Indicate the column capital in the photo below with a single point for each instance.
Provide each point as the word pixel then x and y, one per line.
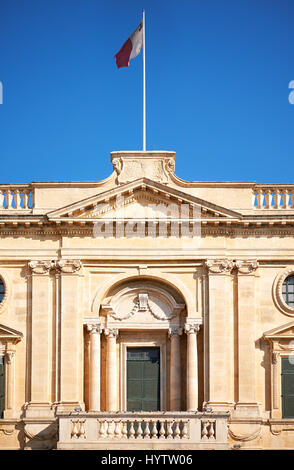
pixel 175 332
pixel 40 267
pixel 9 355
pixel 191 328
pixel 219 266
pixel 111 332
pixel 246 266
pixel 68 266
pixel 94 327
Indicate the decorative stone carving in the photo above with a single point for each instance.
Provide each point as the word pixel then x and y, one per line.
pixel 138 302
pixel 175 331
pixel 246 266
pixel 191 328
pixel 130 166
pixel 41 267
pixel 111 332
pixel 219 266
pixel 170 165
pixel 68 266
pixel 9 355
pixel 94 327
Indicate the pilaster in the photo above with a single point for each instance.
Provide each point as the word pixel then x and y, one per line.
pixel 246 274
pixel 41 340
pixel 71 335
pixel 220 337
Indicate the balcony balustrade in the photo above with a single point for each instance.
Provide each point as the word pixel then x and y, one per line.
pixel 143 430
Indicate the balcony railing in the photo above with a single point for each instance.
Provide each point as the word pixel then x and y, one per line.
pixel 273 197
pixel 142 430
pixel 19 197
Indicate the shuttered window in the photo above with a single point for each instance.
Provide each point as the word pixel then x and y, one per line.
pixel 287 388
pixel 2 387
pixel 143 379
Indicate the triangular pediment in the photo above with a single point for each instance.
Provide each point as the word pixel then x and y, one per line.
pixel 142 198
pixel 284 331
pixel 9 334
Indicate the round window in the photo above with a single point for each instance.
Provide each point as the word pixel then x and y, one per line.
pixel 288 291
pixel 2 290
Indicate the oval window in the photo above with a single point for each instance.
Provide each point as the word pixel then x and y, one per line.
pixel 288 291
pixel 2 290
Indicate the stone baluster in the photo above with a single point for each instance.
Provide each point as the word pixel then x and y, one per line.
pixel 26 198
pixel 146 430
pixel 9 199
pixel 259 198
pixel 162 430
pixel 2 198
pixel 154 429
pixel 124 432
pixel 177 431
pixel 204 431
pixel 268 194
pixel 17 199
pixel 139 430
pixel 211 433
pixel 116 429
pixel 132 430
pixel 276 198
pixel 169 430
pixel 291 202
pixel 185 430
pixel 285 198
pixel 102 431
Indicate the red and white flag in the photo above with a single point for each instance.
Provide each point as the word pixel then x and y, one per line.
pixel 131 48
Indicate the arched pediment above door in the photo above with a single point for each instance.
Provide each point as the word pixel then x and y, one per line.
pixel 143 304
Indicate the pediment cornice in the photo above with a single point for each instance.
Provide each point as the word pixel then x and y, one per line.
pixel 142 191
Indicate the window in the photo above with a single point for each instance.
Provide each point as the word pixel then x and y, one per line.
pixel 288 291
pixel 2 290
pixel 287 387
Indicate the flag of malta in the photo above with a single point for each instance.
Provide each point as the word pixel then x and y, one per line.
pixel 131 48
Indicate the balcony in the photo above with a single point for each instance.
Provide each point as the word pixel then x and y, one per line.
pixel 143 430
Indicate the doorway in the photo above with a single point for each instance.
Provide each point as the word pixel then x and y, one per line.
pixel 143 379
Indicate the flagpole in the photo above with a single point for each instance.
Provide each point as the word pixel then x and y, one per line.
pixel 144 87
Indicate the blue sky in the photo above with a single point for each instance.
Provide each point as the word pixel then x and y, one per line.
pixel 217 88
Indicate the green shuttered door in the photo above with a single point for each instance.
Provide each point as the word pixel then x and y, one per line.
pixel 143 379
pixel 287 388
pixel 2 384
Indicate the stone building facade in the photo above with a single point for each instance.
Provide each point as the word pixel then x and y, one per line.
pixel 146 312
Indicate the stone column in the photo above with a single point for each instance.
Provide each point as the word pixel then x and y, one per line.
pixel 220 335
pixel 275 378
pixel 246 337
pixel 9 381
pixel 71 336
pixel 111 370
pixel 94 396
pixel 175 369
pixel 40 339
pixel 191 329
